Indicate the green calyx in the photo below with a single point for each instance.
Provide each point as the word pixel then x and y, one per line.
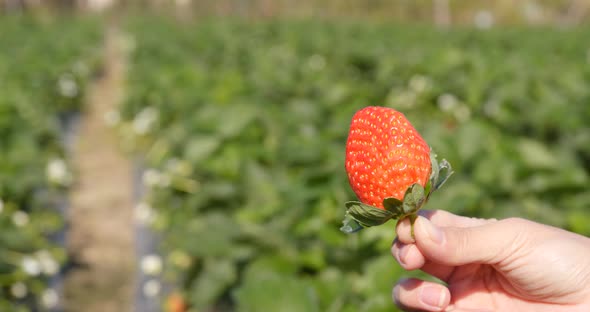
pixel 359 216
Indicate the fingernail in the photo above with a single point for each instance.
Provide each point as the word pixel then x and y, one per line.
pixel 435 234
pixel 396 290
pixel 431 297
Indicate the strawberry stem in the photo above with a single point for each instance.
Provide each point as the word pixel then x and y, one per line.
pixel 413 218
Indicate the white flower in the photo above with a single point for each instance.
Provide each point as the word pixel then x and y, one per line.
pixel 127 43
pixel 144 214
pixel 50 298
pixel 20 218
pixel 180 258
pixel 145 120
pixel 532 12
pixel 18 290
pixel 31 266
pixel 99 5
pixel 316 62
pixel 484 19
pixel 151 177
pixel 151 264
pixel 491 107
pixel 402 99
pixel 112 118
pixel 67 86
pixel 182 3
pixel 177 166
pixel 164 180
pixel 419 83
pixel 462 113
pixel 48 264
pixel 81 68
pixel 57 172
pixel 447 102
pixel 151 288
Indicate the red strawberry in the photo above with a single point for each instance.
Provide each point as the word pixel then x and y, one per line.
pixel 390 168
pixel 175 303
pixel 384 155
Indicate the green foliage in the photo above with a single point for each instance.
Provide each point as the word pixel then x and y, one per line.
pixel 44 66
pixel 243 125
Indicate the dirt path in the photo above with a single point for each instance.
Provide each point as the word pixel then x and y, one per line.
pixel 100 237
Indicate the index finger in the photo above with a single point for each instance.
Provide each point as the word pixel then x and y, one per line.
pixel 439 218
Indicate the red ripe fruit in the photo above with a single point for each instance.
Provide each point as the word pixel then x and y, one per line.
pixel 390 168
pixel 385 155
pixel 175 303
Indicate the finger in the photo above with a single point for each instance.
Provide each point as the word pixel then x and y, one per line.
pixel 417 295
pixel 453 309
pixel 411 258
pixel 445 218
pixel 439 218
pixel 407 255
pixel 403 231
pixel 488 243
pixel 440 271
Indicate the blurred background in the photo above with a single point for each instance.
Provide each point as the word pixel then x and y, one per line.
pixel 188 155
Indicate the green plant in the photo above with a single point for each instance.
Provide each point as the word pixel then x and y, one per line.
pixel 45 64
pixel 242 128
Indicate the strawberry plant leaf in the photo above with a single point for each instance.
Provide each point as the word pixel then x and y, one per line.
pixel 428 188
pixel 413 199
pixel 434 169
pixel 394 205
pixel 360 215
pixel 350 225
pixel 276 172
pixel 440 173
pixel 217 275
pixel 445 173
pixel 274 292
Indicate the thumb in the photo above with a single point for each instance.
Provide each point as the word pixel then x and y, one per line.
pixel 488 243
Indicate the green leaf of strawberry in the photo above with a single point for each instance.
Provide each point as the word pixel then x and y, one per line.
pixel 390 168
pixel 359 216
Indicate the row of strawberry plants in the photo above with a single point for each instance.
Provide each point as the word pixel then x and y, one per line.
pixel 241 127
pixel 45 64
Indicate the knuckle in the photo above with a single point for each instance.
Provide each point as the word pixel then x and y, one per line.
pixel 516 221
pixel 519 237
pixel 463 243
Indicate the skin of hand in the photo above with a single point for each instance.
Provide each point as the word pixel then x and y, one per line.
pixel 491 265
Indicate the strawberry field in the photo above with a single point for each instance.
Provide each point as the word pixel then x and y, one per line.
pixel 237 130
pixel 42 87
pixel 241 128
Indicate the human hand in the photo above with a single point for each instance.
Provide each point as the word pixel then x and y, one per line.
pixel 489 265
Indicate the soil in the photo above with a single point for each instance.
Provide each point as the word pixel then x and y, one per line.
pixel 100 238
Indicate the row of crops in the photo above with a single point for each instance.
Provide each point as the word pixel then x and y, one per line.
pixel 44 67
pixel 241 130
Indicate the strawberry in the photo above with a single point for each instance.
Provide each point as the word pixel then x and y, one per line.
pixel 391 169
pixel 175 303
pixel 384 155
